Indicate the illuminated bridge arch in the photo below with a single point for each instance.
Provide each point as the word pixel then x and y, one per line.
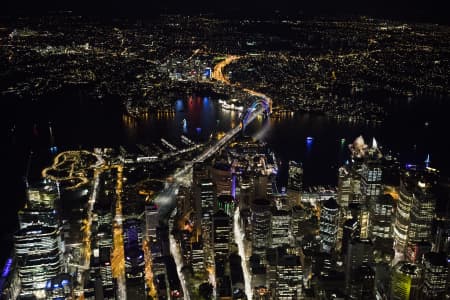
pixel 260 102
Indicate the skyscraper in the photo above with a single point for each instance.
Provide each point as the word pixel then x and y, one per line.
pixel 329 219
pixel 422 213
pixel 415 211
pixel 221 176
pixel 281 227
pixel 359 253
pixel 43 194
pixel 402 217
pixel 261 221
pixel 295 181
pixel 221 233
pixel 38 251
pixel 435 275
pixel 381 216
pixel 405 282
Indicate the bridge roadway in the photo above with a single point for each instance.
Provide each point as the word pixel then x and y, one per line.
pixel 178 176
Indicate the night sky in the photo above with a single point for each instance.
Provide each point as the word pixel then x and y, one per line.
pixel 429 11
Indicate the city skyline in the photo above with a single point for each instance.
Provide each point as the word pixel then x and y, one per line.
pixel 234 157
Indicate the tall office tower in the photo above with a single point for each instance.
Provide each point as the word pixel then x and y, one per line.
pixel 38 216
pixel 350 232
pixel 38 250
pixel 221 177
pixel 381 216
pixel 415 211
pixel 405 281
pixel 226 203
pixel 359 252
pixel 295 180
pixel 260 183
pixel 206 197
pixel 43 194
pixel 259 278
pixel 199 172
pixel 286 275
pixel 329 219
pixel 435 273
pixel 422 212
pixel 402 216
pixel 261 220
pixel 246 193
pixel 186 246
pixel 281 225
pixel 207 238
pixel 106 273
pixel 151 221
pixel 364 216
pixel 221 233
pixel 344 187
pixel 371 176
pixel 441 241
pixel 299 216
pixel 362 283
pixel 198 257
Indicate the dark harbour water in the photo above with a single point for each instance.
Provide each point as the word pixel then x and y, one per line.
pixel 80 122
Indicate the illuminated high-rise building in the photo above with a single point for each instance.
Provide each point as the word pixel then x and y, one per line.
pixel 422 213
pixel 281 227
pixel 344 187
pixel 198 257
pixel 350 232
pixel 38 216
pixel 226 203
pixel 299 216
pixel 415 211
pixel 286 274
pixel 221 233
pixel 381 216
pixel 405 282
pixel 245 194
pixel 371 176
pixel 38 250
pixel 435 273
pixel 329 220
pixel 261 221
pixel 402 216
pixel 151 221
pixel 221 177
pixel 295 181
pixel 207 195
pixel 43 194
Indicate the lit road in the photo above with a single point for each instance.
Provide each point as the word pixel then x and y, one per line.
pixel 218 68
pixel 118 256
pixel 86 245
pixel 176 253
pixel 239 239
